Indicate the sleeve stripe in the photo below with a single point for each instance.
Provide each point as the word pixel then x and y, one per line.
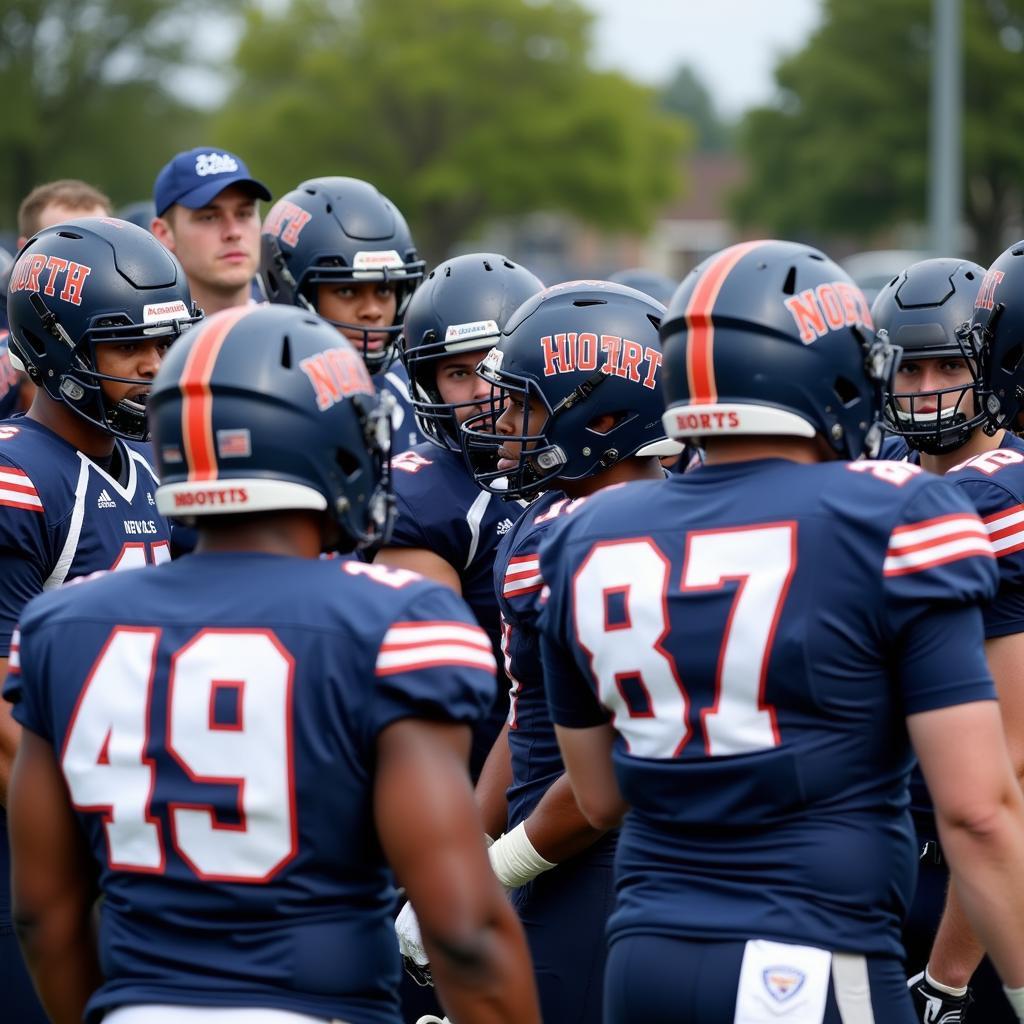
pixel 933 529
pixel 524 586
pixel 434 656
pixel 937 554
pixel 1011 516
pixel 977 532
pixel 405 634
pixel 9 475
pixel 525 562
pixel 521 574
pixel 16 499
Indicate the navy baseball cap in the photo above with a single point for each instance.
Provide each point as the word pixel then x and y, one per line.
pixel 194 177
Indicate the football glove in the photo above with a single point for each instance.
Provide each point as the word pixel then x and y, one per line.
pixel 937 1005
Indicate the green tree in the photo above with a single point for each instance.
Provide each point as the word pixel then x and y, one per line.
pixel 459 110
pixel 688 96
pixel 845 148
pixel 86 94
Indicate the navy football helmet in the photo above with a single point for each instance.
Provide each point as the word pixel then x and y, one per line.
pixel 773 338
pixel 85 283
pixel 461 307
pixel 583 350
pixel 997 334
pixel 266 408
pixel 925 311
pixel 339 229
pixel 650 282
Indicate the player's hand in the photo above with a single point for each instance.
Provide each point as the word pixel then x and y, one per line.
pixel 933 1006
pixel 410 945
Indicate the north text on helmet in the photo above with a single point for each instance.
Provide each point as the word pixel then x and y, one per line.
pixel 37 272
pixel 582 350
pixel 828 307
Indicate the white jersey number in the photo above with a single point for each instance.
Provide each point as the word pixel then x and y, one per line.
pixel 628 657
pixel 107 769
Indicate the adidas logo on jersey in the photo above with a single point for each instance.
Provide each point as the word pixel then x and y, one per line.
pixel 105 500
pixel 504 526
pixel 149 498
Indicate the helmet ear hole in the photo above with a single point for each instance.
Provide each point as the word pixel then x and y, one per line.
pixel 347 462
pixel 1012 359
pixel 846 391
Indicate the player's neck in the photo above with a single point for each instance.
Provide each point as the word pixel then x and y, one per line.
pixel 212 301
pixel 621 473
pixel 977 444
pixel 293 534
pixel 69 426
pixel 723 450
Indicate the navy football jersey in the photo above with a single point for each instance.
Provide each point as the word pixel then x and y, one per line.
pixel 404 431
pixel 757 634
pixel 536 761
pixel 62 517
pixel 441 509
pixel 216 721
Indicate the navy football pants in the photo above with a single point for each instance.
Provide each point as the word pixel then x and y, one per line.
pixel 564 912
pixel 654 979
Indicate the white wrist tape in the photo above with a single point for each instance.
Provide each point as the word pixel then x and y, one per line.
pixel 514 859
pixel 1015 997
pixel 950 990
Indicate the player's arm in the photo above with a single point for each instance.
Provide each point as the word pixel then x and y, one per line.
pixel 980 814
pixel 587 754
pixel 957 951
pixel 420 560
pixel 491 787
pixel 432 835
pixel 10 733
pixel 51 884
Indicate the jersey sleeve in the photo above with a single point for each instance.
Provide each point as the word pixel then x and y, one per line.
pixel 939 572
pixel 572 701
pixel 27 672
pixel 23 546
pixel 414 527
pixel 434 662
pixel 1003 516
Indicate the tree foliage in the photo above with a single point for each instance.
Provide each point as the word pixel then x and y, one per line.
pixel 686 94
pixel 85 87
pixel 459 110
pixel 845 148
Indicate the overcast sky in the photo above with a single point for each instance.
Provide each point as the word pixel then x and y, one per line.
pixel 733 44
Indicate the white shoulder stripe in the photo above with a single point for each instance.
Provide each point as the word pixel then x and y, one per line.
pixel 910 536
pixel 419 633
pixel 937 553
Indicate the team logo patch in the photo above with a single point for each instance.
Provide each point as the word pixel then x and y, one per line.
pixel 782 983
pixel 377 259
pixel 158 312
pixel 215 163
pixel 457 334
pixel 234 444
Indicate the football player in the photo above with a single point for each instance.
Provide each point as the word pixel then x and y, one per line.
pixel 338 247
pixel 93 305
pixel 231 744
pixel 737 656
pixel 938 410
pixel 447 528
pixel 577 379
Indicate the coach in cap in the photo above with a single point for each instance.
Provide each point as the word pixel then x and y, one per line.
pixel 207 215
